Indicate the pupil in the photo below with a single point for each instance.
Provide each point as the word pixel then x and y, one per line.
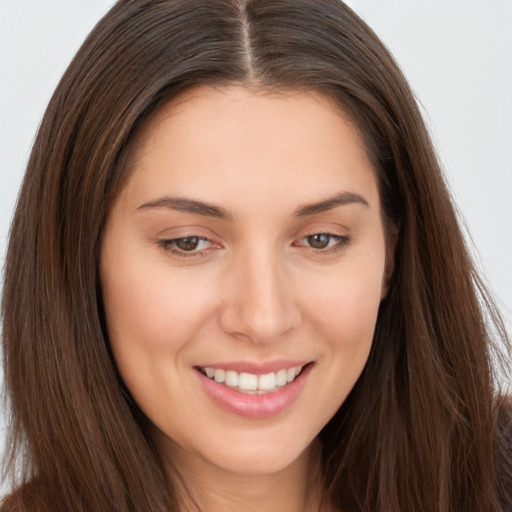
pixel 319 241
pixel 188 243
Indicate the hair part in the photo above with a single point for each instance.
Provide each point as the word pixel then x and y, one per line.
pixel 421 430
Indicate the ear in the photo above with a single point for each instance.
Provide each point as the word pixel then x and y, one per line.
pixel 392 235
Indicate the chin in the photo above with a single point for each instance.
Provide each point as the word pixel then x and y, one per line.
pixel 257 461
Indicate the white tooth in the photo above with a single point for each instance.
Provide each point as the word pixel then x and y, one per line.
pixel 281 378
pixel 232 379
pixel 290 374
pixel 267 382
pixel 210 372
pixel 297 370
pixel 248 382
pixel 220 376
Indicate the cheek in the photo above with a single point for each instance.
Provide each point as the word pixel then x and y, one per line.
pixel 152 317
pixel 341 317
pixel 348 303
pixel 343 311
pixel 151 320
pixel 353 310
pixel 152 308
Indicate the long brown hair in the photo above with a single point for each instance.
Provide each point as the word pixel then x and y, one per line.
pixel 423 429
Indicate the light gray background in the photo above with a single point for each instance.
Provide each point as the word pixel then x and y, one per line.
pixel 457 54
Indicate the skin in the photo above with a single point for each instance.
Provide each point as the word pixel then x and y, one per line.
pixel 254 289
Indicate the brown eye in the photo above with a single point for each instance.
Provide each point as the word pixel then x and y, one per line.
pixel 189 243
pixel 318 241
pixel 188 246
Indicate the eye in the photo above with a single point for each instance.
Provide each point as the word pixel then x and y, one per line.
pixel 186 246
pixel 319 241
pixel 324 243
pixel 189 243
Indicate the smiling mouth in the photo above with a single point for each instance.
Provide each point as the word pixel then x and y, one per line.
pixel 251 383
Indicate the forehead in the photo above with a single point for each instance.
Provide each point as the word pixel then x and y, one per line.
pixel 239 137
pixel 202 107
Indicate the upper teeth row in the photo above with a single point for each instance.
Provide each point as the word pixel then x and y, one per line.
pixel 252 382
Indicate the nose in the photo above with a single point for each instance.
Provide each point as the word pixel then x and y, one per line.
pixel 259 300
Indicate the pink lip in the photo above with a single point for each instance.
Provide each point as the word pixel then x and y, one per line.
pixel 255 406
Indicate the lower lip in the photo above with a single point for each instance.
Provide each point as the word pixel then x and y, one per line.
pixel 253 405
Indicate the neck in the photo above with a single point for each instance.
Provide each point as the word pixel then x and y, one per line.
pixel 201 486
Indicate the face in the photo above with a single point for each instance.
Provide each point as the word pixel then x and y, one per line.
pixel 242 268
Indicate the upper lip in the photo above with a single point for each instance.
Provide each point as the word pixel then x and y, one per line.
pixel 256 368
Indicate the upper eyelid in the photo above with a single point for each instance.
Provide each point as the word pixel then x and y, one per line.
pixel 176 232
pixel 171 249
pixel 176 238
pixel 321 227
pixel 326 233
pixel 338 238
pixel 216 240
pixel 179 232
pixel 330 231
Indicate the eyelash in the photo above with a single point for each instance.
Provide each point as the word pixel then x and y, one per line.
pixel 170 247
pixel 341 241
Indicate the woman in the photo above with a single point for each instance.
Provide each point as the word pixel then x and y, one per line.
pixel 235 279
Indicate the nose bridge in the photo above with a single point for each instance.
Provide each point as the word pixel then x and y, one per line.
pixel 261 304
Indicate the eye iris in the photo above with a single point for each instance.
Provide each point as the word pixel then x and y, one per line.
pixel 188 243
pixel 319 241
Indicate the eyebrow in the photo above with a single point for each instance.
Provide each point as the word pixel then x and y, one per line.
pixel 330 203
pixel 186 205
